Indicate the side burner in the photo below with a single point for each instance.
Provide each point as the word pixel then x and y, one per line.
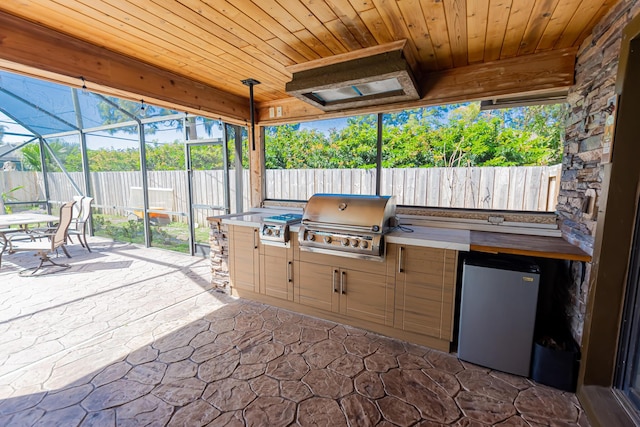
pixel 274 229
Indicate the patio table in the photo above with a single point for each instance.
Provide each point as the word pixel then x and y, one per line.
pixel 23 220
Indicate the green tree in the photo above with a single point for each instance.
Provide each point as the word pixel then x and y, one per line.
pixel 230 133
pixel 406 139
pixel 68 154
pixel 354 146
pixel 165 156
pixel 450 135
pixel 292 148
pixel 104 160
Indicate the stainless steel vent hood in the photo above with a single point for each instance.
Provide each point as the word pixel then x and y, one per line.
pixel 372 76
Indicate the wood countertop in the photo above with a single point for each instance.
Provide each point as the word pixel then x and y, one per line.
pixel 518 244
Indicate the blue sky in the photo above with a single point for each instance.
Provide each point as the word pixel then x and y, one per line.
pixel 324 125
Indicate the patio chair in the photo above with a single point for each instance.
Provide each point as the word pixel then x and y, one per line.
pixel 51 227
pixel 79 224
pixel 45 248
pixel 77 208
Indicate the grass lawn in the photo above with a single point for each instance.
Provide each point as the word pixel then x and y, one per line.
pixel 173 236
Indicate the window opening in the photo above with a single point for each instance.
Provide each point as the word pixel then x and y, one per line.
pixel 451 156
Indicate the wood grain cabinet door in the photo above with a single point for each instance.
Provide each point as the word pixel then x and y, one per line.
pixel 366 296
pixel 244 258
pixel 317 285
pixel 425 290
pixel 357 294
pixel 276 272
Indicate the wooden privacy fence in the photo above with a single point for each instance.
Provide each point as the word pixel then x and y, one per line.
pixel 116 193
pixel 532 188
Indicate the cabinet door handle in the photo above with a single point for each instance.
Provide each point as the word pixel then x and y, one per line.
pixel 343 283
pixel 335 288
pixel 400 267
pixel 255 238
pixel 290 272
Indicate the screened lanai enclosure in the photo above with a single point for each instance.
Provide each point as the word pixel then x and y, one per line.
pixel 155 174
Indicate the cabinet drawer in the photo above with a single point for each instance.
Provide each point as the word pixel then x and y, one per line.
pixel 371 266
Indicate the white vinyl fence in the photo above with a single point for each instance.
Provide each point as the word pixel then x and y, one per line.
pixel 532 188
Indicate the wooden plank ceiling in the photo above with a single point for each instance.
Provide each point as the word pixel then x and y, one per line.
pixel 218 43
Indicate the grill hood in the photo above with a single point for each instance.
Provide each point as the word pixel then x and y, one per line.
pixel 347 211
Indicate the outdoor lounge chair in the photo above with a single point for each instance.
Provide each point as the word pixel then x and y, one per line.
pixel 79 224
pixel 47 243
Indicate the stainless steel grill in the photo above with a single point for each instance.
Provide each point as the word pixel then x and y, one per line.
pixel 346 225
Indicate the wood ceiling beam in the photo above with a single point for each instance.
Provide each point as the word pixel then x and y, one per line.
pixel 536 73
pixel 29 48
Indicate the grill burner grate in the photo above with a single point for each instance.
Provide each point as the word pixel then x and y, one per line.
pixel 289 218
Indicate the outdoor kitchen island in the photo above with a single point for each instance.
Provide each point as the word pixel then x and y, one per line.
pixel 408 294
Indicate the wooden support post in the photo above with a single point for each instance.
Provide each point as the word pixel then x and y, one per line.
pixel 257 169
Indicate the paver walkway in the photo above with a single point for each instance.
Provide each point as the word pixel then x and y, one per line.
pixel 134 337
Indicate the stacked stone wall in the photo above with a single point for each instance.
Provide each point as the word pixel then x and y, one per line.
pixel 596 71
pixel 219 244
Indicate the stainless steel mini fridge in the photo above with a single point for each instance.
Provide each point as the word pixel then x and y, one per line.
pixel 498 313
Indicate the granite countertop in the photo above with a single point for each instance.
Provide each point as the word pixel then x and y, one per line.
pixel 444 238
pixel 252 218
pixel 432 237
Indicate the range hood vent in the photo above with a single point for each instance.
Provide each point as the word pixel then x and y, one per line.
pixel 372 76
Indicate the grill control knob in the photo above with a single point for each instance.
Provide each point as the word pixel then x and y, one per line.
pixel 277 233
pixel 327 239
pixel 355 243
pixel 268 232
pixel 311 237
pixel 345 241
pixel 364 244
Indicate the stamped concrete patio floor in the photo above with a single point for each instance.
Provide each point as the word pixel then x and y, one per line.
pixel 130 336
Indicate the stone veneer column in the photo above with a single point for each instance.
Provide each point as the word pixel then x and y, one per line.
pixel 596 70
pixel 219 252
